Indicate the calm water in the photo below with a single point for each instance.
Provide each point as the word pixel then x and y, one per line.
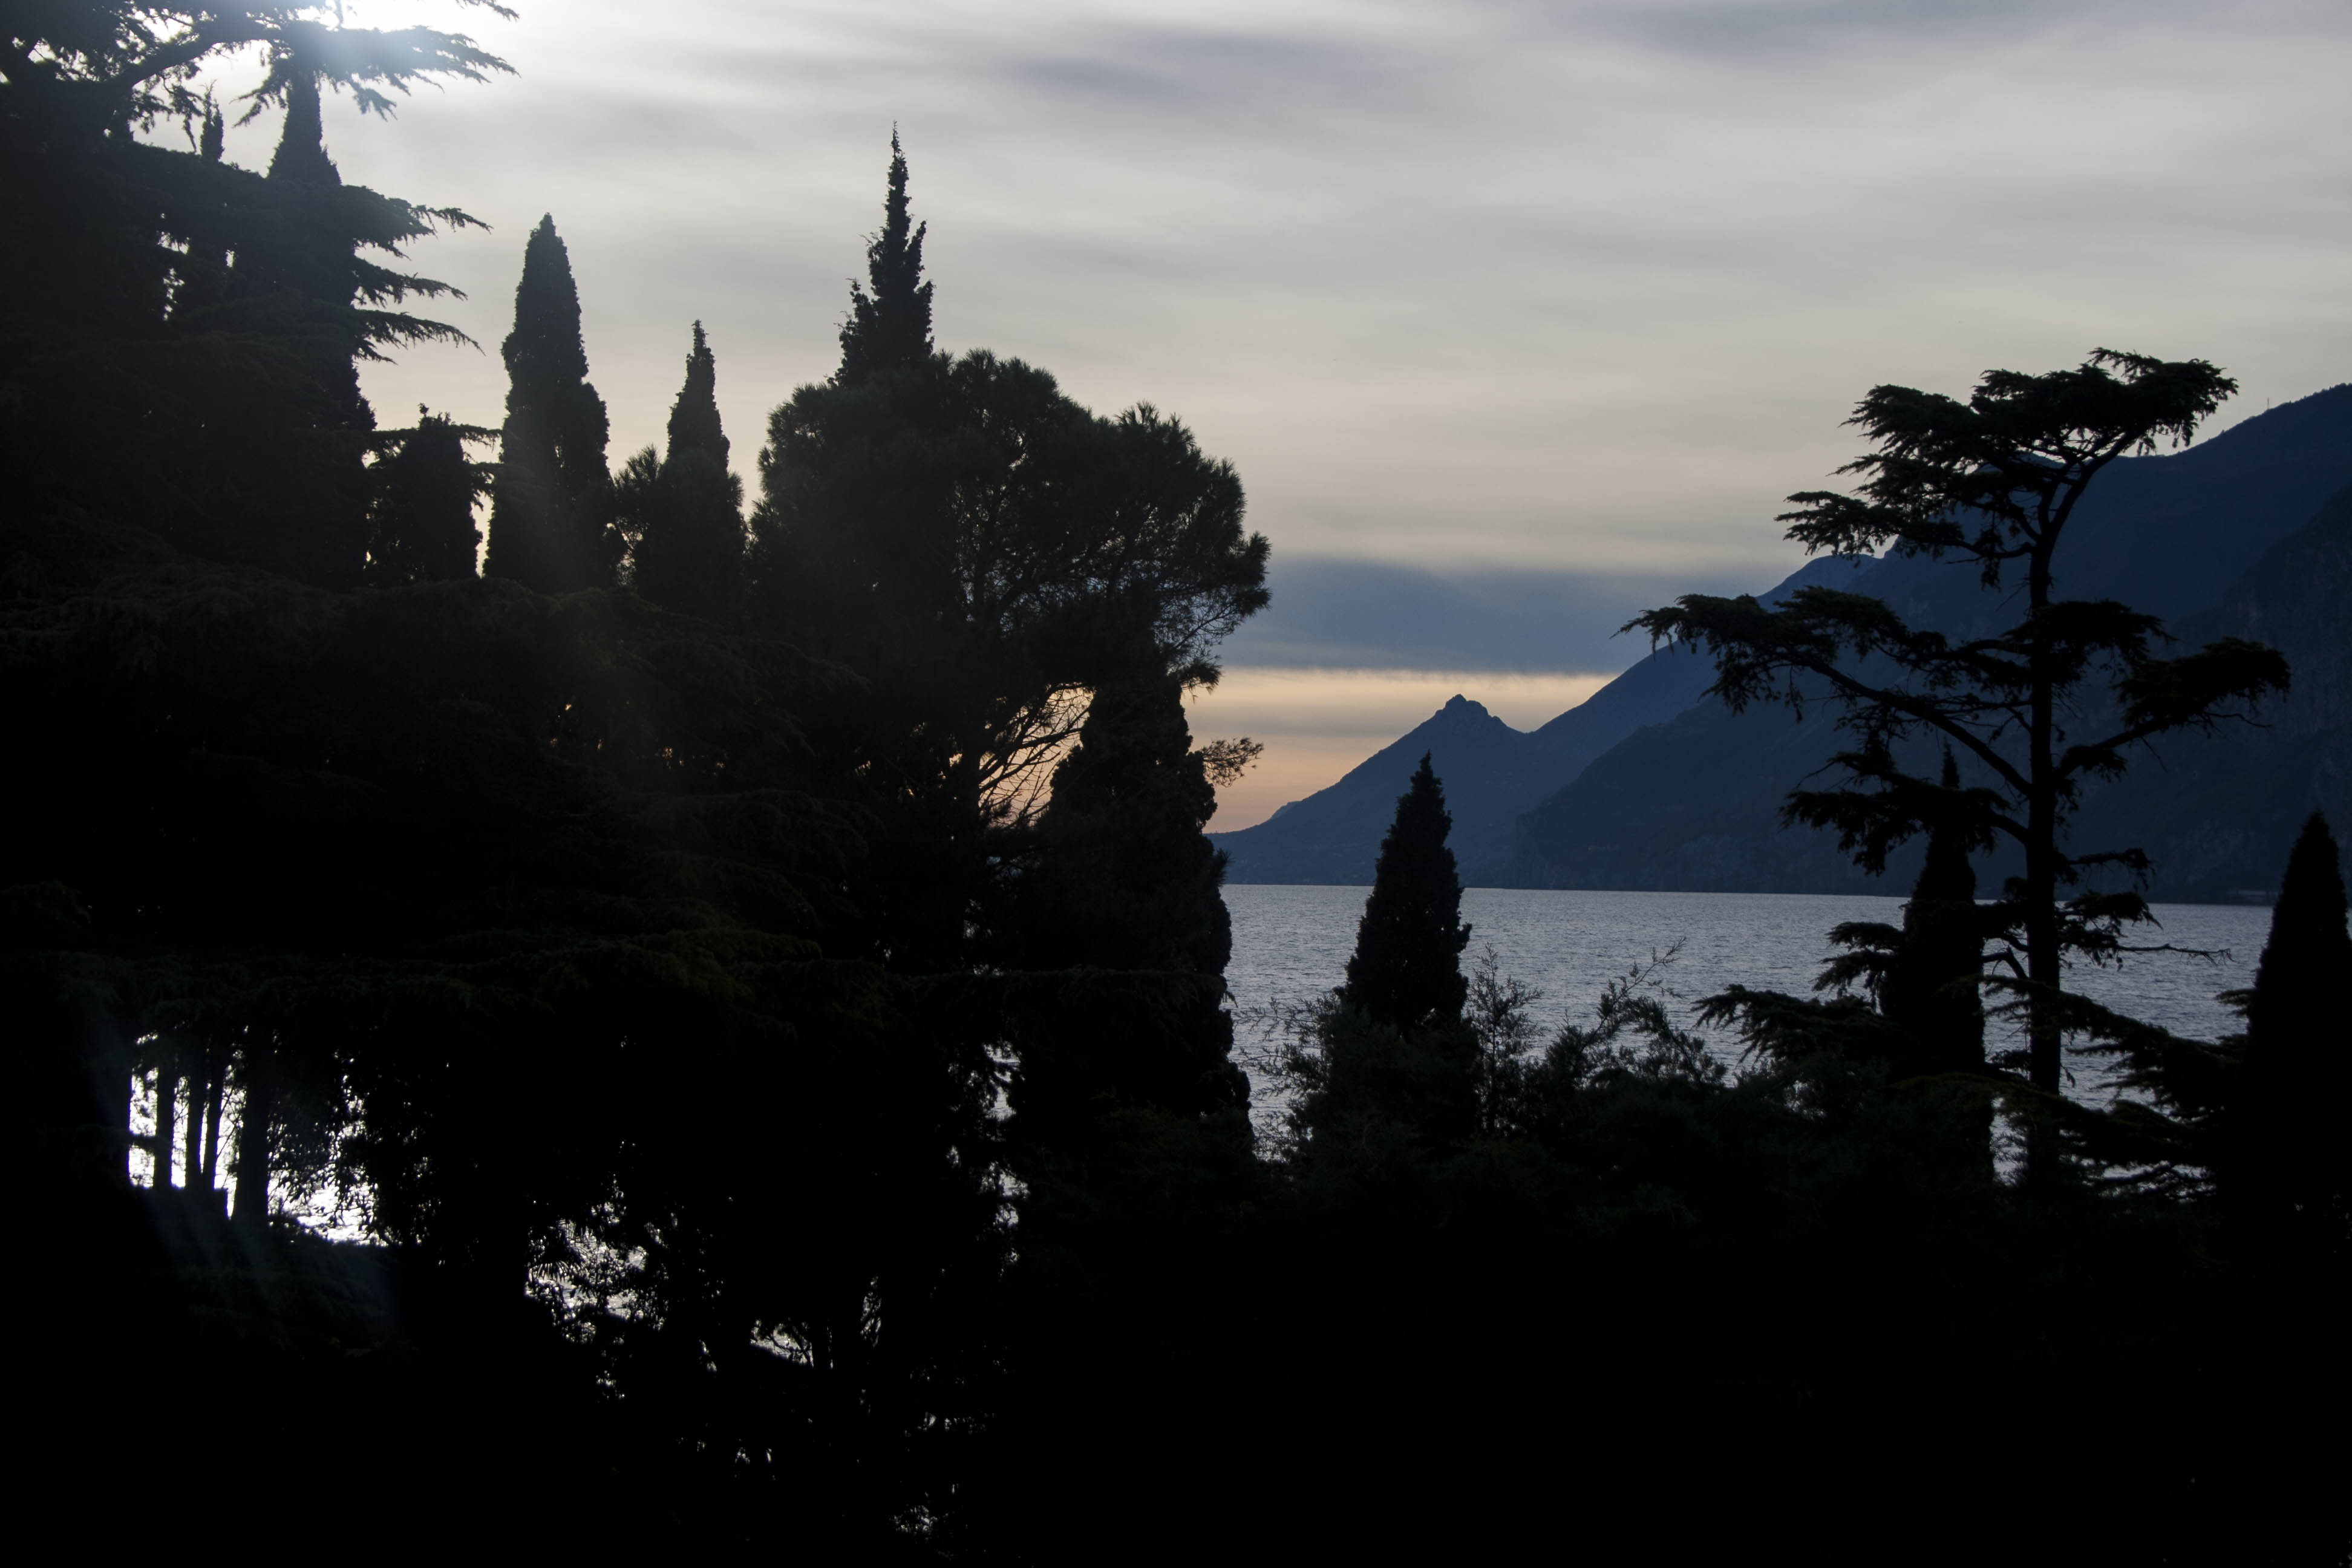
pixel 1292 942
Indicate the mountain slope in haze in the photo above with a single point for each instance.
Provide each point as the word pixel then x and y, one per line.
pixel 2219 815
pixel 1492 772
pixel 1693 805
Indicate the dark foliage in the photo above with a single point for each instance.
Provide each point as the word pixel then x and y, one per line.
pixel 1389 1057
pixel 694 418
pixel 983 552
pixel 683 515
pixel 1406 971
pixel 215 310
pixel 551 524
pixel 2289 1155
pixel 425 492
pixel 1926 973
pixel 1993 480
pixel 889 329
pixel 1123 879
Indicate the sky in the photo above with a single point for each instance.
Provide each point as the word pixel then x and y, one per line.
pixel 1514 316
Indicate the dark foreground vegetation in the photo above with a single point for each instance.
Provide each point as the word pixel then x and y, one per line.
pixel 756 990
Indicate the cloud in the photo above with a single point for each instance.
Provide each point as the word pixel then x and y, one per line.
pixel 1460 287
pixel 1369 615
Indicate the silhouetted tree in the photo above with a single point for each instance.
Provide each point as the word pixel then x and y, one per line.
pixel 979 548
pixel 890 328
pixel 1124 878
pixel 118 310
pixel 280 476
pixel 425 489
pixel 551 521
pixel 2289 1157
pixel 1930 992
pixel 694 424
pixel 1926 973
pixel 683 516
pixel 1993 480
pixel 1406 971
pixel 1389 1050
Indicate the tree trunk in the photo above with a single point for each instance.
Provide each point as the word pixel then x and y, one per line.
pixel 2042 966
pixel 192 1155
pixel 252 1200
pixel 167 1115
pixel 216 1084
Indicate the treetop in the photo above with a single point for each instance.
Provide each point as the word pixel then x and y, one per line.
pixel 1995 477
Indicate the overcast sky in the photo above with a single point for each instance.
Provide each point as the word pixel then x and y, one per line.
pixel 1461 287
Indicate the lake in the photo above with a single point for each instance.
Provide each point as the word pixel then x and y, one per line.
pixel 1292 942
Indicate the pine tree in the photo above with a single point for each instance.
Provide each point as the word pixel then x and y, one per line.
pixel 890 327
pixel 1407 967
pixel 550 527
pixel 1994 482
pixel 424 494
pixel 683 517
pixel 2293 1158
pixel 1929 990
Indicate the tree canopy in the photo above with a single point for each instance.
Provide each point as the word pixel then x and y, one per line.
pixel 1992 481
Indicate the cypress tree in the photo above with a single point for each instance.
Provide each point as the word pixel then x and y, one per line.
pixel 1392 1048
pixel 426 491
pixel 290 439
pixel 551 523
pixel 2293 1157
pixel 684 517
pixel 1407 967
pixel 890 327
pixel 694 418
pixel 1930 992
pixel 1127 880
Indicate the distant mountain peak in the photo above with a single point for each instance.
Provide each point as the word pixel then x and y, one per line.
pixel 1461 708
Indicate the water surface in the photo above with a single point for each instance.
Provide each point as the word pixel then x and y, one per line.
pixel 1292 942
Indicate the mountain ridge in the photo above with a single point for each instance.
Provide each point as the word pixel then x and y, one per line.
pixel 1492 772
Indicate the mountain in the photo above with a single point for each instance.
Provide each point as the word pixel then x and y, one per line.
pixel 2219 816
pixel 1492 772
pixel 1694 804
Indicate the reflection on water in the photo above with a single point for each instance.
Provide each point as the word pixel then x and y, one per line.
pixel 1291 942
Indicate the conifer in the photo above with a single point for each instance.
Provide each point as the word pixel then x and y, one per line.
pixel 294 436
pixel 1124 882
pixel 423 514
pixel 1407 967
pixel 1930 992
pixel 551 524
pixel 694 418
pixel 683 517
pixel 2291 1154
pixel 889 328
pixel 301 157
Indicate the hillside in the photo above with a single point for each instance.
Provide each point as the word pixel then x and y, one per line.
pixel 2219 816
